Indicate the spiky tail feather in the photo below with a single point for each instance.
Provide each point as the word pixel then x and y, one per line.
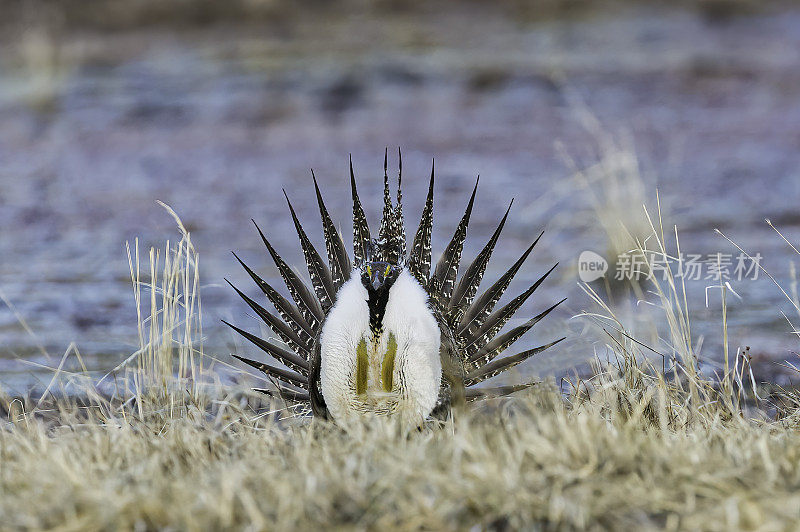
pixel 334 245
pixel 440 287
pixel 419 260
pixel 361 239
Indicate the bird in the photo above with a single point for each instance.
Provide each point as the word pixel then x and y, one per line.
pixel 389 333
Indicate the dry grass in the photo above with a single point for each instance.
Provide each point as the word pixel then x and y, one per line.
pixel 593 465
pixel 633 447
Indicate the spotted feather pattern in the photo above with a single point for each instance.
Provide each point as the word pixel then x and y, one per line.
pixel 419 260
pixel 468 285
pixel 306 301
pixel 480 309
pixel 334 245
pixel 499 318
pixel 391 244
pixel 278 326
pixel 496 367
pixel 500 343
pixel 399 228
pixel 361 238
pixel 320 273
pixel 288 312
pixel 444 277
pixel 385 229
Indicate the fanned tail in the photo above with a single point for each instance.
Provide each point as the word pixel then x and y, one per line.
pixel 279 327
pixel 468 318
pixel 298 325
pixel 286 393
pixel 278 352
pixel 488 352
pixel 496 367
pixel 469 322
pixel 279 373
pixel 499 318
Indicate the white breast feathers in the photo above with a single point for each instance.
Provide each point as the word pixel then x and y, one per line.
pixel 401 371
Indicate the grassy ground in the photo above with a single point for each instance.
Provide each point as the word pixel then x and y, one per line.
pixel 635 446
pixel 591 465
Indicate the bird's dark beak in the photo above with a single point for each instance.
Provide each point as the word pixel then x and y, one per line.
pixel 377 280
pixel 376 276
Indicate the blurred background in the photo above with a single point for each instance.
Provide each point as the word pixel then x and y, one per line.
pixel 580 110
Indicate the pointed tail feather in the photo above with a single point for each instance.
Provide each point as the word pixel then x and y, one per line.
pixel 361 238
pixel 288 312
pixel 385 229
pixel 387 196
pixel 399 229
pixel 286 394
pixel 499 318
pixel 441 286
pixel 280 328
pixel 282 354
pixel 306 301
pixel 502 342
pixel 477 312
pixel 419 260
pixel 321 278
pixel 498 366
pixel 468 285
pixel 278 373
pixel 399 176
pixel 472 394
pixel 337 254
pixel 391 243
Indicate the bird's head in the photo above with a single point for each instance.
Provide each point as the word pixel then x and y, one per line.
pixel 379 275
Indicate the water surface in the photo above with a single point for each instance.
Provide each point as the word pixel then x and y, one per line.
pixel 94 128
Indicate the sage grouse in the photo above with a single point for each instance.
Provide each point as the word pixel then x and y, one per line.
pixel 381 334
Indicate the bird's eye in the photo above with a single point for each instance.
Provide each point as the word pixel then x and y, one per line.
pixel 369 270
pixel 388 267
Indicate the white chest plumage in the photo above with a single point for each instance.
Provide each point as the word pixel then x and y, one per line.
pixel 406 381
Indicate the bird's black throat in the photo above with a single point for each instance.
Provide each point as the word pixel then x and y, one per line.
pixel 377 308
